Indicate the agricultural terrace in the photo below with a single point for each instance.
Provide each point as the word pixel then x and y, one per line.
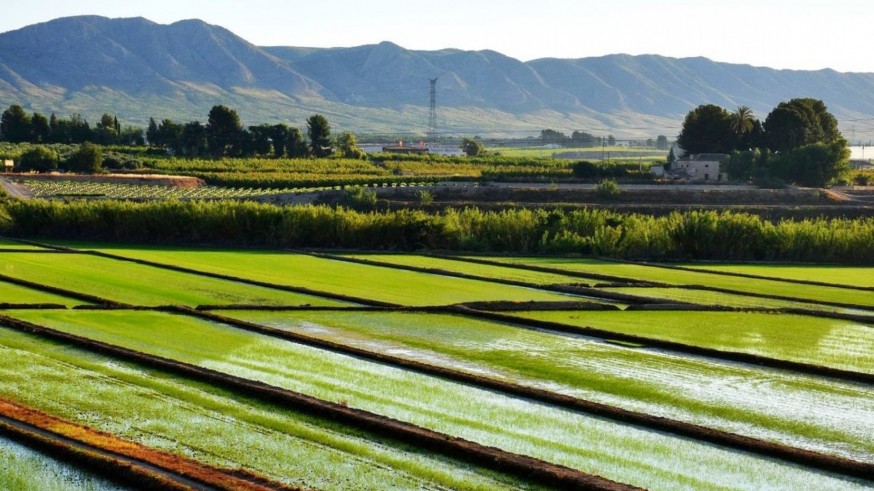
pixel 369 371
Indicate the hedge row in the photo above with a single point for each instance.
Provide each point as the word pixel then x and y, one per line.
pixel 680 235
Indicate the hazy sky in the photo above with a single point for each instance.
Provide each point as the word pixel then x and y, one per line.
pixel 799 34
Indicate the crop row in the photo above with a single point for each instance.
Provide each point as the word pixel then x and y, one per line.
pixel 557 436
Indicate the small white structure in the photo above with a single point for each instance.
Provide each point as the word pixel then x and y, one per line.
pixel 8 165
pixel 702 167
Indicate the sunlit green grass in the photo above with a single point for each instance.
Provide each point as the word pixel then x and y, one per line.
pixel 362 281
pixel 689 389
pixel 707 297
pixel 834 343
pixel 612 450
pixel 215 426
pixel 839 275
pixel 681 277
pixel 482 270
pixel 141 285
pixel 24 469
pixel 11 293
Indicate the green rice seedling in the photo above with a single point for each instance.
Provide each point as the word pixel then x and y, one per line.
pixel 615 451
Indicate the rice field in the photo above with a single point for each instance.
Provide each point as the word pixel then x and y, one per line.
pixel 277 319
pixel 24 468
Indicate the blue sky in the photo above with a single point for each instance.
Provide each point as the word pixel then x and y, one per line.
pixel 800 34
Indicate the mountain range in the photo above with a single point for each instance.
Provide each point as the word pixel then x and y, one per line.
pixel 138 69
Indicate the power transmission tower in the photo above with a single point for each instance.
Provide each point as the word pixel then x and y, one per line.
pixel 432 114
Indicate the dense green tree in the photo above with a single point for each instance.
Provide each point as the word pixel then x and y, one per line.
pixel 471 147
pixel 347 144
pixel 39 127
pixel 552 137
pixel 295 146
pixel 800 122
pixel 192 141
pixel 662 142
pixel 262 143
pixel 815 165
pixel 168 134
pixel 87 159
pixel 152 133
pixel 224 131
pixel 105 131
pixel 132 136
pixel 319 132
pixel 611 141
pixel 15 125
pixel 279 139
pixel 38 159
pixel 583 139
pixel 79 129
pixel 707 129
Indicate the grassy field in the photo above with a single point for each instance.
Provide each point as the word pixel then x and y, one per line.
pixel 857 276
pixel 141 285
pixel 195 420
pixel 483 270
pixel 327 275
pixel 15 294
pixel 707 297
pixel 833 343
pixel 151 407
pixel 681 277
pixel 22 468
pixel 692 390
pixel 492 419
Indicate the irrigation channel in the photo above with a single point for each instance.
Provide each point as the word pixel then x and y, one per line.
pixel 585 292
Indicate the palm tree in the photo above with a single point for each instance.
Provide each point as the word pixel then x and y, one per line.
pixel 742 120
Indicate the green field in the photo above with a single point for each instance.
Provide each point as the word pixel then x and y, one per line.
pixel 152 407
pixel 708 297
pixel 640 380
pixel 327 275
pixel 22 468
pixel 682 277
pixel 555 435
pixel 141 285
pixel 482 270
pixel 834 343
pixel 857 276
pixel 16 294
pixel 195 420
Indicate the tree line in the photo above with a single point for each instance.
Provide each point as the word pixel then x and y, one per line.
pixel 798 142
pixel 222 135
pixel 17 126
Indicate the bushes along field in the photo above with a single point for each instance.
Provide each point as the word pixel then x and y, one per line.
pixel 689 235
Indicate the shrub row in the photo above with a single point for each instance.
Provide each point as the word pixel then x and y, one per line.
pixel 687 235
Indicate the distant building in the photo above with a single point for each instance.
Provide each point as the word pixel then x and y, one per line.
pixel 702 167
pixel 8 165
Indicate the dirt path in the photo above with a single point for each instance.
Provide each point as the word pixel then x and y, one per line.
pixel 14 190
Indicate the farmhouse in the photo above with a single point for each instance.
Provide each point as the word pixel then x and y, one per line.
pixel 700 167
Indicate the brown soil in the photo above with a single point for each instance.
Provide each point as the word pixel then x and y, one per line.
pixel 96 449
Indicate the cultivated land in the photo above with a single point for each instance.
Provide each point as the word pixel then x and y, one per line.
pixel 319 370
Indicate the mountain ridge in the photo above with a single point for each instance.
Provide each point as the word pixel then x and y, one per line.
pixel 139 69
